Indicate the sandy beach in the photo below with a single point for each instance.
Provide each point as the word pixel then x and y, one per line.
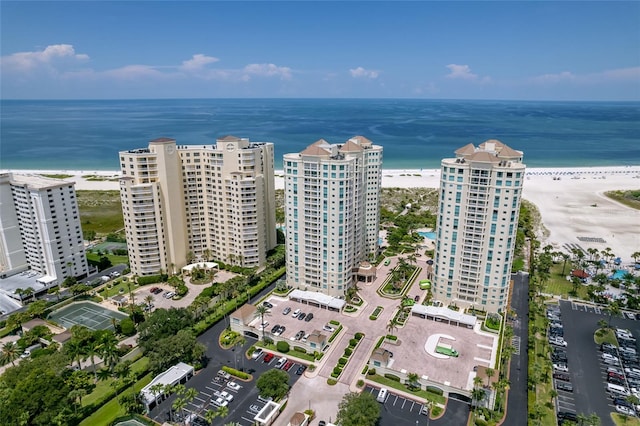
pixel 574 210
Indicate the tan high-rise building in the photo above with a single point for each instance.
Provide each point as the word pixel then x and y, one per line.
pixel 201 202
pixel 332 209
pixel 478 209
pixel 40 228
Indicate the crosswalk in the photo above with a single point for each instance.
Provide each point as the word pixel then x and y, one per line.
pixel 515 342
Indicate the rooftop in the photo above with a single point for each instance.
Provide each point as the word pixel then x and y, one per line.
pixel 34 181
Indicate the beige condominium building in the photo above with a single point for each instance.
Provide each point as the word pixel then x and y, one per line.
pixel 479 204
pixel 332 209
pixel 198 202
pixel 40 229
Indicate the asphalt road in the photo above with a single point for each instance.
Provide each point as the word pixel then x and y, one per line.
pixel 517 403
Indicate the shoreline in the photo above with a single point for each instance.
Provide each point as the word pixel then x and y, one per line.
pixel 391 178
pixel 571 201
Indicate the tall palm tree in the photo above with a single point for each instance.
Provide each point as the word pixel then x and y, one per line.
pixel 261 311
pixel 179 405
pixel 148 299
pixel 412 380
pixel 490 372
pixel 156 390
pixel 108 349
pixel 392 326
pixel 10 352
pixel 209 415
pixel 222 412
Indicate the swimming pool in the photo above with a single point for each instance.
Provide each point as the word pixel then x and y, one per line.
pixel 618 274
pixel 429 235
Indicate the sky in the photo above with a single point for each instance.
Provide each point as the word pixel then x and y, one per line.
pixel 519 50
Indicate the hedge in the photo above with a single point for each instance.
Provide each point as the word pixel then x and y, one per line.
pixel 237 373
pixel 392 377
pixel 152 279
pixel 282 346
pixel 300 349
pixel 335 333
pixel 334 322
pixel 342 361
pixel 348 351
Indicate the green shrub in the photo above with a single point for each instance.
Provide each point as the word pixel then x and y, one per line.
pixel 371 372
pixel 337 371
pixel 152 279
pixel 348 351
pixel 282 346
pixel 392 377
pixel 334 322
pixel 353 342
pixel 127 327
pixel 342 361
pixel 359 336
pixel 392 337
pixel 364 370
pixel 360 383
pixel 236 373
pixel 331 382
pixel 436 411
pixel 300 349
pixel 335 375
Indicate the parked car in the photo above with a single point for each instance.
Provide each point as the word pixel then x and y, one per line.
pixel 328 328
pixel 226 395
pixel 625 410
pixel 287 365
pixel 300 370
pixel 301 316
pixel 263 326
pixel 267 304
pixel 557 341
pixel 280 330
pixel 275 328
pixel 564 386
pixel 234 386
pixel 561 367
pixel 567 416
pixel 286 311
pixel 562 376
pixel 256 354
pixel 281 362
pixel 169 294
pixel 299 334
pixel 309 317
pixel 296 313
pixel 608 357
pixel 220 402
pixel 268 357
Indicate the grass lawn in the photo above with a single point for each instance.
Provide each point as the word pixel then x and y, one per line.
pixel 558 284
pixel 58 176
pixel 115 289
pixel 115 260
pixel 621 420
pixel 103 388
pixel 542 394
pixel 106 414
pixel 100 211
pixel 603 335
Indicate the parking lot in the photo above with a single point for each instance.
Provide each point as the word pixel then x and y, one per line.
pixel 399 410
pixel 589 369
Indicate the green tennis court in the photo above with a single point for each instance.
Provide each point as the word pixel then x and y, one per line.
pixel 88 314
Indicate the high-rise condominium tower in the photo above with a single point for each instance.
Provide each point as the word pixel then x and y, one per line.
pixel 332 195
pixel 40 228
pixel 480 193
pixel 198 202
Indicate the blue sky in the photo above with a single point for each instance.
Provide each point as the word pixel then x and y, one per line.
pixel 440 50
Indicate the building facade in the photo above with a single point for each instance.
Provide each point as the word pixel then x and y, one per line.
pixel 332 210
pixel 478 209
pixel 40 228
pixel 198 202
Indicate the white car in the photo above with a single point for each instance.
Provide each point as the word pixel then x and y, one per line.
pixel 625 410
pixel 296 313
pixel 256 354
pixel 226 395
pixel 561 367
pixel 220 402
pixel 558 341
pixel 234 386
pixel 328 328
pixel 264 325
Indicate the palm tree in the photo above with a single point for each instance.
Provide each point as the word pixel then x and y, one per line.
pixel 148 299
pixel 614 310
pixel 10 352
pixel 261 311
pixel 392 326
pixel 209 415
pixel 412 380
pixel 490 372
pixel 103 374
pixel 179 405
pixel 156 390
pixel 222 412
pixel 108 349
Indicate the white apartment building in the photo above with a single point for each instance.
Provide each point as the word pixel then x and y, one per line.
pixel 198 202
pixel 332 210
pixel 478 209
pixel 40 228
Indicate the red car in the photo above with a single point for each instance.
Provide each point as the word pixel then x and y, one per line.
pixel 267 357
pixel 153 289
pixel 287 366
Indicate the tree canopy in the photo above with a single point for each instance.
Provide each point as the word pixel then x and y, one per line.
pixel 358 409
pixel 274 383
pixel 163 323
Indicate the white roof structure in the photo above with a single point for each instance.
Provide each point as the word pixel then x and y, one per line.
pixel 442 312
pixel 200 265
pixel 172 376
pixel 320 298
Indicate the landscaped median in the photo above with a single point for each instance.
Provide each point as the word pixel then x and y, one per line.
pixel 344 359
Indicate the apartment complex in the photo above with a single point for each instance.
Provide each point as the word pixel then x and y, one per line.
pixel 40 229
pixel 480 193
pixel 332 200
pixel 198 202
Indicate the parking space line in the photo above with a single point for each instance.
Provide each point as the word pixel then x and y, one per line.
pixel 403 402
pixel 597 310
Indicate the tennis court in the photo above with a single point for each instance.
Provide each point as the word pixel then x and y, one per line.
pixel 88 314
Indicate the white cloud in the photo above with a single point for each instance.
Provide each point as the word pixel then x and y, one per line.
pixel 26 61
pixel 197 62
pixel 615 75
pixel 363 73
pixel 133 72
pixel 266 70
pixel 461 71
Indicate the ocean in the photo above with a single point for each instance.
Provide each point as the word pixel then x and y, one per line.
pixel 415 134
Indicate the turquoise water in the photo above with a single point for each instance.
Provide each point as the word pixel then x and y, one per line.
pixel 618 274
pixel 430 235
pixel 415 134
